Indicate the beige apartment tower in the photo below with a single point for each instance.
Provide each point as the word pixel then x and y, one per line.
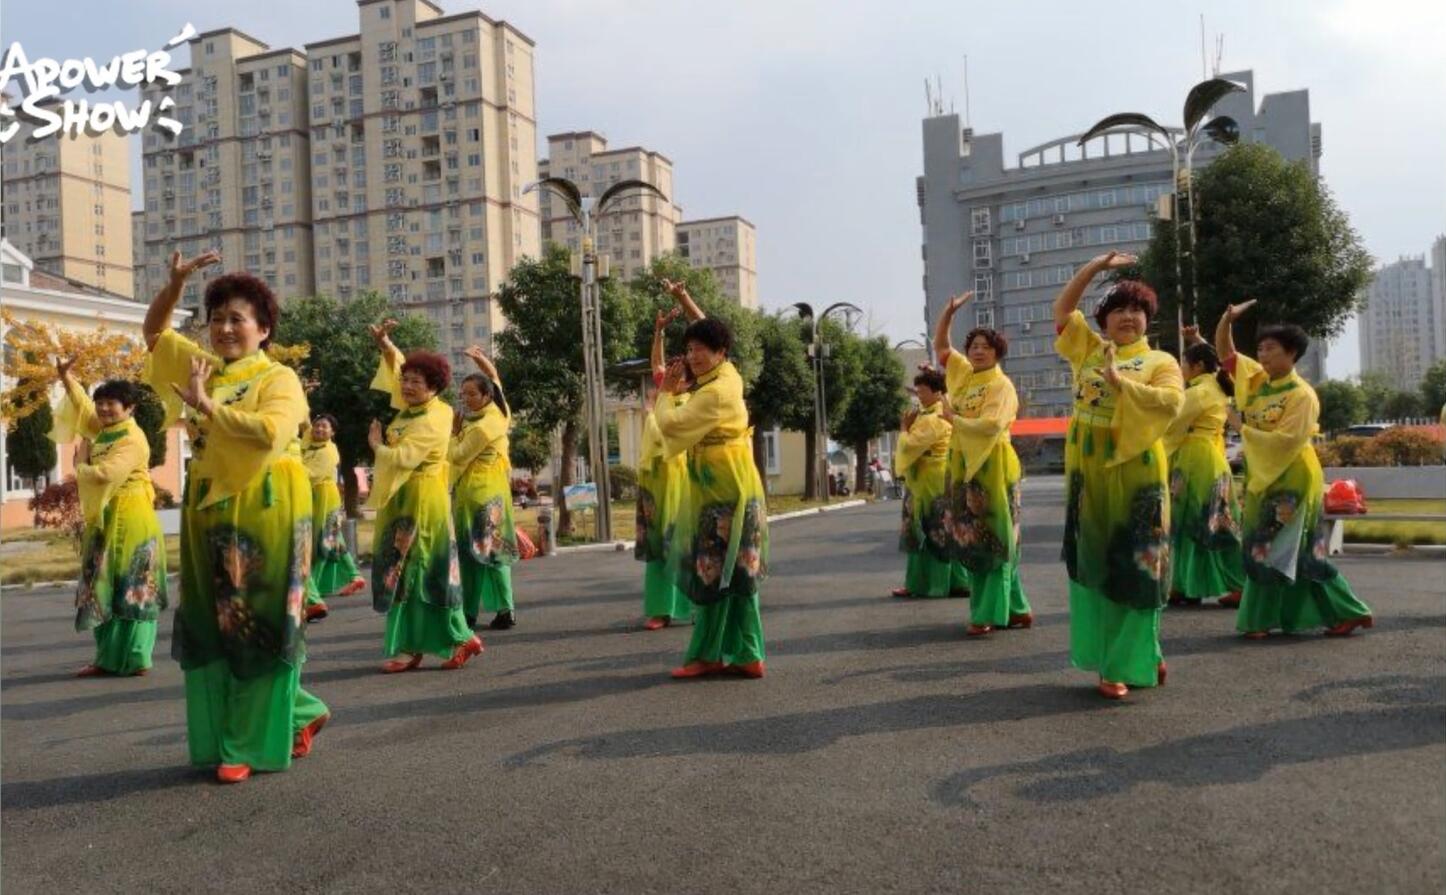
pixel 67 205
pixel 392 159
pixel 640 227
pixel 728 247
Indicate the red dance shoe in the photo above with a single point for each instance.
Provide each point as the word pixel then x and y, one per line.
pixel 978 630
pixel 962 594
pixel 462 653
pixel 395 666
pixel 1345 628
pixel 355 586
pixel 315 611
pixel 1111 690
pixel 900 592
pixel 748 669
pixel 1231 600
pixel 654 624
pixel 697 669
pixel 92 671
pixel 140 672
pixel 1024 620
pixel 1256 635
pixel 233 773
pixel 301 745
pixel 1177 598
pixel 1160 675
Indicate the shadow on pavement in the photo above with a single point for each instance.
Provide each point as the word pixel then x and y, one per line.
pixel 89 788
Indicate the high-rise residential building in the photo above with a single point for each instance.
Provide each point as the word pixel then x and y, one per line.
pixel 1438 293
pixel 727 246
pixel 1399 323
pixel 639 227
pixel 67 205
pixel 392 159
pixel 1015 235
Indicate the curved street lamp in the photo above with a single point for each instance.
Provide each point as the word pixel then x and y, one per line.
pixel 817 351
pixel 586 211
pixel 1196 132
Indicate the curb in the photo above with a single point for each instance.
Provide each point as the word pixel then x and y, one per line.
pixel 622 546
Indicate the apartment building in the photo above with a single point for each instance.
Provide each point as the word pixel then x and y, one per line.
pixel 728 246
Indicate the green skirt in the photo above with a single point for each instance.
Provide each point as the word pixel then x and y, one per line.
pixel 251 721
pixel 486 537
pixel 930 569
pixel 660 495
pixel 1290 584
pixel 984 525
pixel 123 585
pixel 661 597
pixel 332 566
pixel 1205 522
pixel 123 646
pixel 416 577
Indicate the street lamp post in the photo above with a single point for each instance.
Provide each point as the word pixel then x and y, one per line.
pixel 818 351
pixel 586 211
pixel 1221 129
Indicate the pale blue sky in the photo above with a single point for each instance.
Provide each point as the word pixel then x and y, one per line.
pixel 804 115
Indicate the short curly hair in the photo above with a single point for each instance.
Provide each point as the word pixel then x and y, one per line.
pixel 1289 336
pixel 1127 294
pixel 711 333
pixel 931 378
pixel 433 367
pixel 123 390
pixel 994 337
pixel 251 289
pixel 326 418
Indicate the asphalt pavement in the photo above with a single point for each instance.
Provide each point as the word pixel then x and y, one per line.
pixel 884 751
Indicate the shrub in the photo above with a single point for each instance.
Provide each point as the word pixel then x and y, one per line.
pixel 1401 446
pixel 58 507
pixel 623 480
pixel 165 500
pixel 1342 451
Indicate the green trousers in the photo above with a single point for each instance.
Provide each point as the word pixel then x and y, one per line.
pixel 416 626
pixel 123 646
pixel 1120 643
pixel 728 631
pixel 250 722
pixel 996 596
pixel 927 576
pixel 486 588
pixel 661 598
pixel 1297 607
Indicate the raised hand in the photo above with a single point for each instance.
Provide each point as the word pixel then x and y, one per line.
pixel 182 269
pixel 960 301
pixel 1191 335
pixel 1114 260
pixel 195 393
pixel 477 354
pixel 382 332
pixel 62 368
pixel 1235 312
pixel 675 380
pixel 946 411
pixel 675 288
pixel 1107 370
pixel 82 452
pixel 374 435
pixel 664 317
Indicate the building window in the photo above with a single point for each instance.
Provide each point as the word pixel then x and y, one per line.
pixel 386 12
pixel 771 453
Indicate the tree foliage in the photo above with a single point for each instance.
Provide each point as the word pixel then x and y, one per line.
pixel 150 415
pixel 647 292
pixel 1270 230
pixel 28 447
pixel 32 346
pixel 784 397
pixel 877 401
pixel 1342 404
pixel 1433 387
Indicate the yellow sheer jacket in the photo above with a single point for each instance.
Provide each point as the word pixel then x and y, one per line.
pixel 1150 393
pixel 321 459
pixel 1280 417
pixel 120 453
pixel 483 439
pixel 985 405
pixel 1202 413
pixel 416 440
pixel 259 406
pixel 713 414
pixel 929 435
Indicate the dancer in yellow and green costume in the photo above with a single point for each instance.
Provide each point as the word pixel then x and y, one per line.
pixel 246 524
pixel 660 490
pixel 481 475
pixel 334 572
pixel 1204 511
pixel 1290 585
pixel 1117 516
pixel 920 459
pixel 984 474
pixel 122 586
pixel 719 548
pixel 416 578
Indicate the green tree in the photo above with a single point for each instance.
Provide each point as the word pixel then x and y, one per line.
pixel 1433 388
pixel 647 287
pixel 1342 404
pixel 28 446
pixel 150 415
pixel 341 365
pixel 539 354
pixel 529 447
pixel 877 401
pixel 1402 405
pixel 1270 230
pixel 842 367
pixel 783 397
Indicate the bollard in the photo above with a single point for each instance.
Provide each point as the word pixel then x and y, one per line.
pixel 350 535
pixel 548 533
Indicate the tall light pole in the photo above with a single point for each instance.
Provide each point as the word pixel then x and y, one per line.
pixel 818 351
pixel 1222 129
pixel 588 269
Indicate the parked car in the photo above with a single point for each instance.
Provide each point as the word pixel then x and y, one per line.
pixel 1366 430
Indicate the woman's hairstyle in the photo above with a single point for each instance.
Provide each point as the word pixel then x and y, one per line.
pixel 324 417
pixel 1127 294
pixel 122 390
pixel 491 389
pixel 433 367
pixel 994 337
pixel 1204 354
pixel 931 378
pixel 711 333
pixel 1289 336
pixel 254 291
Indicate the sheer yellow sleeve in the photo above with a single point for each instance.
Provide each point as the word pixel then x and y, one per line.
pixel 1145 409
pixel 97 482
pixel 1076 341
pixel 321 463
pixel 425 438
pixel 465 447
pixel 389 377
pixel 926 432
pixel 956 370
pixel 1196 402
pixel 75 417
pixel 1268 454
pixel 977 437
pixel 1249 375
pixel 169 364
pixel 684 424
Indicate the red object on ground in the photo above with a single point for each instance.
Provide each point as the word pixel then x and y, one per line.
pixel 1344 497
pixel 525 548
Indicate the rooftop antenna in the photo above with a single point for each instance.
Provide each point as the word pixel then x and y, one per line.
pixel 1203 74
pixel 1219 55
pixel 967 122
